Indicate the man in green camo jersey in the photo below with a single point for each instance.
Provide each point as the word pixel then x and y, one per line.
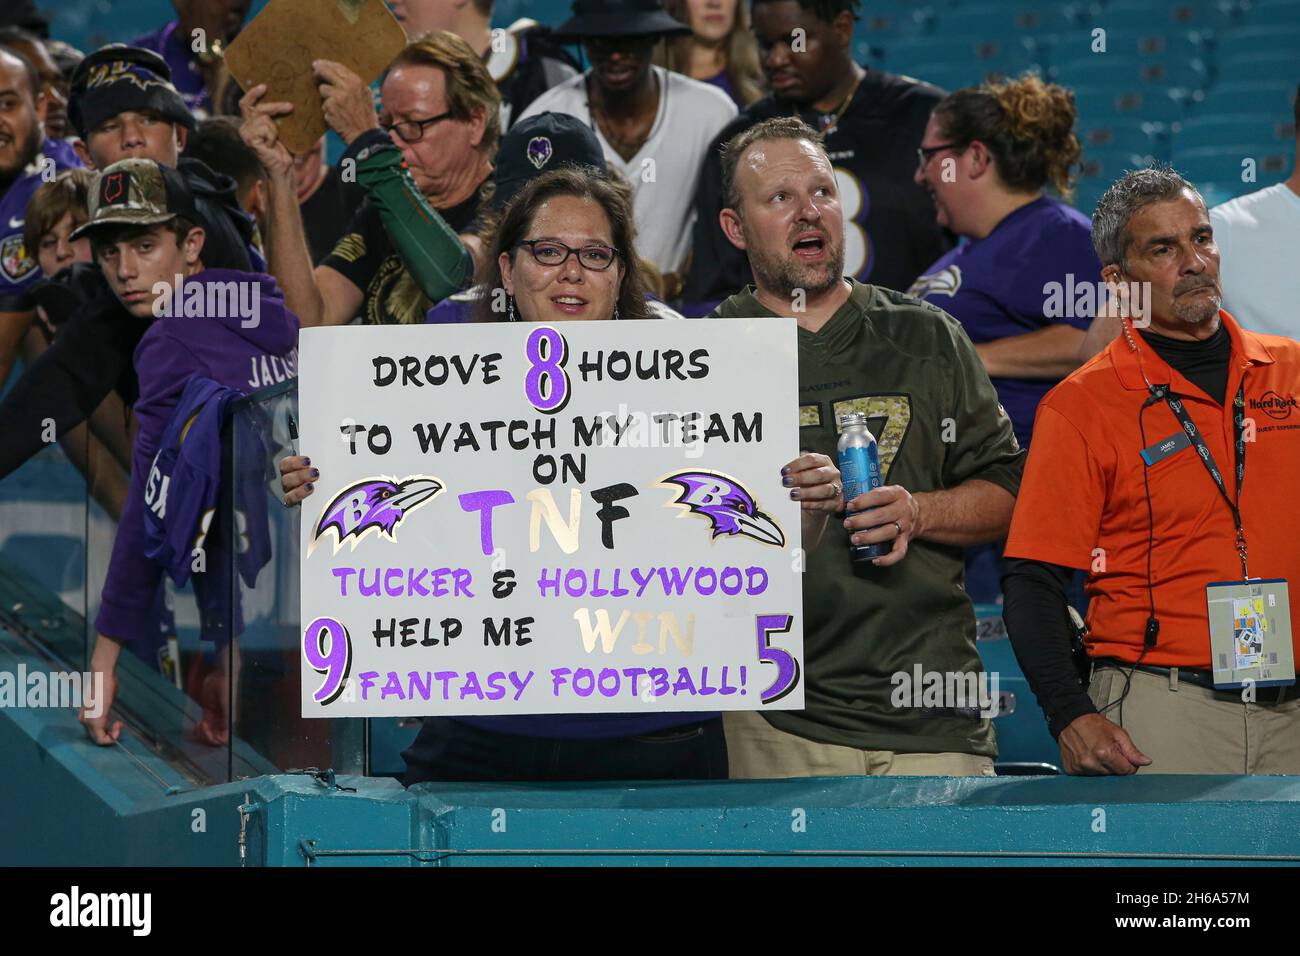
pixel 890 658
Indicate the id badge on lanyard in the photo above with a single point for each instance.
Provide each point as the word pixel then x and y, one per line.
pixel 1250 619
pixel 1250 633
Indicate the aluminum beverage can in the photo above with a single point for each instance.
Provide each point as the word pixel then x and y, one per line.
pixel 860 472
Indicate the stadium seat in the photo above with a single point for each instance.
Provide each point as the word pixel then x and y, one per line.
pixel 1190 14
pixel 983 54
pixel 1011 19
pixel 1152 104
pixel 1276 98
pixel 883 24
pixel 1274 13
pixel 1101 133
pixel 1224 165
pixel 1265 130
pixel 1107 70
pixel 1261 65
pixel 1135 43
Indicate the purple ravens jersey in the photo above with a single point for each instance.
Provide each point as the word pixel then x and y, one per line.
pixel 184 480
pixel 18 268
pixel 188 515
pixel 1002 285
pixel 214 340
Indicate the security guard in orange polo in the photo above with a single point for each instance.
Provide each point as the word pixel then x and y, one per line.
pixel 1163 469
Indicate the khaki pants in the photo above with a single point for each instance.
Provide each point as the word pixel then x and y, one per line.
pixel 758 751
pixel 1188 729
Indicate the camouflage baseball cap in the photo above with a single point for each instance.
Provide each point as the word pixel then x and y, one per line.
pixel 137 192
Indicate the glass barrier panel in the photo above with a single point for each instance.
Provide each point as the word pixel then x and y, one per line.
pixel 262 576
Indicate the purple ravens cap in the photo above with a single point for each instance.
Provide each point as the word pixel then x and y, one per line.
pixel 539 144
pixel 117 78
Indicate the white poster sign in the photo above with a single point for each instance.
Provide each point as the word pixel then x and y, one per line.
pixel 522 519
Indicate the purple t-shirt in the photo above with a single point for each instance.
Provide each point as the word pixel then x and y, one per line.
pixel 723 82
pixel 175 48
pixel 172 351
pixel 1004 285
pixel 18 268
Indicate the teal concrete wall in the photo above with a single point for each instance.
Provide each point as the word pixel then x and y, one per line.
pixel 68 802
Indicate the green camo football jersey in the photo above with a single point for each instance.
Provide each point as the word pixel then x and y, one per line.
pixel 910 367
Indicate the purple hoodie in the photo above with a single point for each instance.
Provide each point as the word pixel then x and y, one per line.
pixel 176 348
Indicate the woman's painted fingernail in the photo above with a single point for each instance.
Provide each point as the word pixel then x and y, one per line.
pixel 306 462
pixel 794 493
pixel 309 486
pixel 785 470
pixel 315 472
pixel 787 481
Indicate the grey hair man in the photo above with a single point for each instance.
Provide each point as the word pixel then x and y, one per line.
pixel 1136 476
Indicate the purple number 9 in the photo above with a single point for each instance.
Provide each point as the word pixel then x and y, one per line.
pixel 547 383
pixel 328 649
pixel 787 668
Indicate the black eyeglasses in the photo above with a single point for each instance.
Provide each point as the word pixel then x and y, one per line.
pixel 549 252
pixel 926 153
pixel 412 131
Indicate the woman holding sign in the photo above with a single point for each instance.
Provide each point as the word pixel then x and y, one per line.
pixel 564 251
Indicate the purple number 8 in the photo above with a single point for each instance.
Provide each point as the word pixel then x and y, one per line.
pixel 334 663
pixel 547 383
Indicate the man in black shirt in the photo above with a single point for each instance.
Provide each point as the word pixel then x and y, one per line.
pixel 328 203
pixel 871 121
pixel 424 162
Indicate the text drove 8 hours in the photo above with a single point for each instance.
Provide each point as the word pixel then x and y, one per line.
pixel 591 366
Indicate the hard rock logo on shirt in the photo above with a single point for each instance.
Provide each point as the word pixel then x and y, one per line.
pixel 888 419
pixel 944 282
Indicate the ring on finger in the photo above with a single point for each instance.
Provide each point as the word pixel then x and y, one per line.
pixel 835 489
pixel 899 527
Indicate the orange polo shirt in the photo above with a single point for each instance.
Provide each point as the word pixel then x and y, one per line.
pixel 1082 503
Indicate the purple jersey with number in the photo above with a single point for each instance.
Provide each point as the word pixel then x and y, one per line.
pixel 18 268
pixel 213 338
pixel 174 47
pixel 1003 285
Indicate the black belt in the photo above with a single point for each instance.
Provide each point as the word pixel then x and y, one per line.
pixel 1187 675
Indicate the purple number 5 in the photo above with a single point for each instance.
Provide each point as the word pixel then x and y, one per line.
pixel 334 660
pixel 787 668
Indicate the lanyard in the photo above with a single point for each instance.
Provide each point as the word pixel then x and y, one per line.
pixel 1207 459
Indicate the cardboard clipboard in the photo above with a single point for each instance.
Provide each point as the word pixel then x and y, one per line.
pixel 278 48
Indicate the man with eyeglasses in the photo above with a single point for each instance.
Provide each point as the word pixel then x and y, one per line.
pixel 423 163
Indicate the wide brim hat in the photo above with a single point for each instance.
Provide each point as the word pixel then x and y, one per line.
pixel 619 18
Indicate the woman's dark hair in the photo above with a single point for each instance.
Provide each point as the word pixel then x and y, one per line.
pixel 1027 125
pixel 581 182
